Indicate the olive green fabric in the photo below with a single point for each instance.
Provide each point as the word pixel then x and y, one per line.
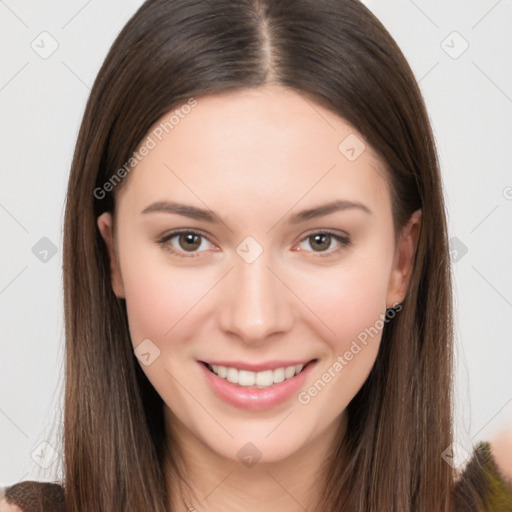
pixel 482 488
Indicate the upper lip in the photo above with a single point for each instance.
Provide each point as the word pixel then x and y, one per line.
pixel 259 367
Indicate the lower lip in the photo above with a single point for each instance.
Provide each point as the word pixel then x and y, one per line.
pixel 255 399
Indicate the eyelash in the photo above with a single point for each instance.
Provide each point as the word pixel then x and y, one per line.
pixel 164 242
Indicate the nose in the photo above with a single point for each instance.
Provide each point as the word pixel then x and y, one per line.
pixel 256 302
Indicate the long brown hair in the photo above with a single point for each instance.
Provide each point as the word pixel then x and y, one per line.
pixel 337 54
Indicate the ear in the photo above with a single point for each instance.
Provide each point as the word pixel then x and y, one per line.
pixel 403 261
pixel 105 225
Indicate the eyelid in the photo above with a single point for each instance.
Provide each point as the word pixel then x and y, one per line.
pixel 180 231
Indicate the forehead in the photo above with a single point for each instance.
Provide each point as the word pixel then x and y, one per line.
pixel 268 144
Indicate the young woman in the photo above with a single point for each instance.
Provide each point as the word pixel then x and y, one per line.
pixel 256 272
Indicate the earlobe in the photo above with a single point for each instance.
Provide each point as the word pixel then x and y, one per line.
pixel 105 226
pixel 403 263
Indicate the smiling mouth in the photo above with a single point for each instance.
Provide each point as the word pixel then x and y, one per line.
pixel 257 380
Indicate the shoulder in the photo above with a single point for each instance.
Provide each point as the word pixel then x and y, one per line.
pixel 486 484
pixel 32 496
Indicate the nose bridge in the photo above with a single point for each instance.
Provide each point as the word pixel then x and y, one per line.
pixel 256 302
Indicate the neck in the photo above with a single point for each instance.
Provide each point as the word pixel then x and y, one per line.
pixel 201 480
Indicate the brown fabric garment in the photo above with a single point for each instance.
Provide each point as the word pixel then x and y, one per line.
pixel 32 496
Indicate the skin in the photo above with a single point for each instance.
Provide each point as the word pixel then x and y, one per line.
pixel 502 451
pixel 256 157
pixel 8 507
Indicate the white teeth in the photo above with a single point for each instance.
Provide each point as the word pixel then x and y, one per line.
pixel 279 375
pixel 256 379
pixel 232 375
pixel 246 378
pixel 289 372
pixel 264 379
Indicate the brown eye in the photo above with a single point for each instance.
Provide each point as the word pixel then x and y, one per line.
pixel 322 243
pixel 189 241
pixel 185 243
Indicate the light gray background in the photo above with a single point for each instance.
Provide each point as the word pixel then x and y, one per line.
pixel 469 97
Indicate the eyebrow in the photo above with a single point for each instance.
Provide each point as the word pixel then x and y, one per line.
pixel 194 212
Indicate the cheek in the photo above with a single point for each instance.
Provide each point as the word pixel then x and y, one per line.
pixel 346 299
pixel 162 305
pixel 350 303
pixel 159 300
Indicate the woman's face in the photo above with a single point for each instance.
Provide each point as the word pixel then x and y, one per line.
pixel 228 255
